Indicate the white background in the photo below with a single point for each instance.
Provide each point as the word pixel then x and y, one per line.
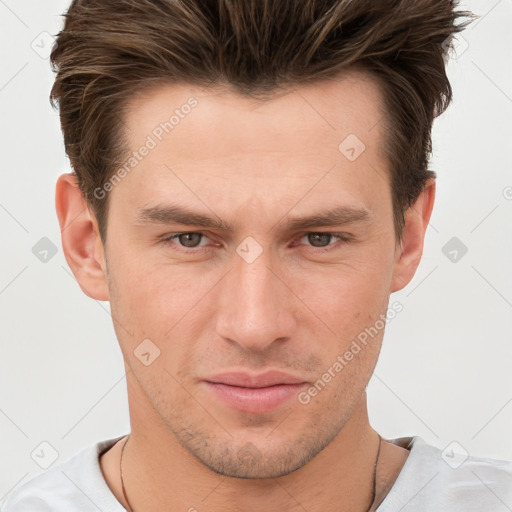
pixel 445 368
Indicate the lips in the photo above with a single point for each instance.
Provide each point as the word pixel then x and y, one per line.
pixel 246 380
pixel 254 393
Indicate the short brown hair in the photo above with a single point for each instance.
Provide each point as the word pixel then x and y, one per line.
pixel 108 50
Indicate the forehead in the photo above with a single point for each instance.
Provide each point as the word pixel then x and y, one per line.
pixel 282 144
pixel 318 115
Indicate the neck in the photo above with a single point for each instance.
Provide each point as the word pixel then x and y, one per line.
pixel 158 471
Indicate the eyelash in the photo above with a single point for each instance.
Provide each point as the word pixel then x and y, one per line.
pixel 168 240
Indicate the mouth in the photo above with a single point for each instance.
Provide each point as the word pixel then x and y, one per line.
pixel 254 393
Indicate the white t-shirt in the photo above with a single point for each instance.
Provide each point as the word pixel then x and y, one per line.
pixel 430 480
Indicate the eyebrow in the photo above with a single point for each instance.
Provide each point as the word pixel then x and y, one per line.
pixel 174 214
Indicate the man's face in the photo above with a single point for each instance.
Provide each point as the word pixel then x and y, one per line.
pixel 264 295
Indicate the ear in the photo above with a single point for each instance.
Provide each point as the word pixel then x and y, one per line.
pixel 81 241
pixel 408 254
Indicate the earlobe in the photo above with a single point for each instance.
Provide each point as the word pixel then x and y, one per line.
pixel 81 241
pixel 408 254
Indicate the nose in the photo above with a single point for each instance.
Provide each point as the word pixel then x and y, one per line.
pixel 255 306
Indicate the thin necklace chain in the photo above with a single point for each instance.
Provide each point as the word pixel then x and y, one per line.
pixel 374 491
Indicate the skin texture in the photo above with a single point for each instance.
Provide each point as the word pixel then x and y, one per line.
pixel 295 308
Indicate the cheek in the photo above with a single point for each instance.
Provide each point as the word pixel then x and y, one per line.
pixel 143 290
pixel 349 297
pixel 167 304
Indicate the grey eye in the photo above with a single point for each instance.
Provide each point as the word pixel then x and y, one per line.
pixel 319 239
pixel 190 239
